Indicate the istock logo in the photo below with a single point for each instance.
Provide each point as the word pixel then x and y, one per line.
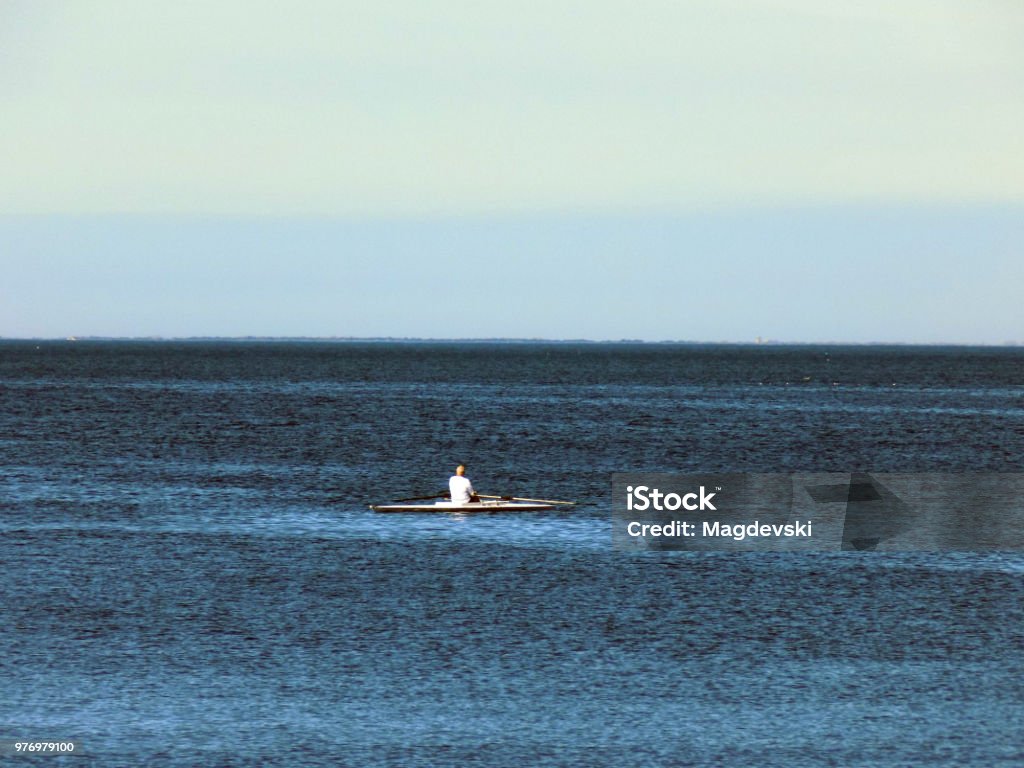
pixel 642 498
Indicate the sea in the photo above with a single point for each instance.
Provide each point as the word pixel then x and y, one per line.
pixel 191 575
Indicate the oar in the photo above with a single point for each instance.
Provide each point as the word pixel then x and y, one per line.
pixel 518 498
pixel 425 498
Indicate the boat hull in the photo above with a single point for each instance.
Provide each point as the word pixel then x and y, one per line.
pixel 461 509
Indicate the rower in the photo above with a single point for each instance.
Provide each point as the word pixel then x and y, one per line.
pixel 461 488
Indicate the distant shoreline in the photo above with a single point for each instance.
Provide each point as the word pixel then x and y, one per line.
pixel 498 340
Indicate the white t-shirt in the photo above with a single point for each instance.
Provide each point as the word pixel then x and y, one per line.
pixel 461 489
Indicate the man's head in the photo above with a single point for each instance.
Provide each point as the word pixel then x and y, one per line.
pixel 460 470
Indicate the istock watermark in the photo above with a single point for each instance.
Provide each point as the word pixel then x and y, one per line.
pixel 819 512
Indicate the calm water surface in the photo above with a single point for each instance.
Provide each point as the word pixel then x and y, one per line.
pixel 191 576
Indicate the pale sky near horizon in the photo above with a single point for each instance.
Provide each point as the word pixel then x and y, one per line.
pixel 335 115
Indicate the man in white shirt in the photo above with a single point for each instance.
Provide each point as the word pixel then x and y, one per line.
pixel 461 488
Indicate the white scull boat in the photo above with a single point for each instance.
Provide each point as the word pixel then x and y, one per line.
pixel 499 505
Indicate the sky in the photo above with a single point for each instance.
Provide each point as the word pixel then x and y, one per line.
pixel 452 169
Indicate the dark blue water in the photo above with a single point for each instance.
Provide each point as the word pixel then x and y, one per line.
pixel 191 576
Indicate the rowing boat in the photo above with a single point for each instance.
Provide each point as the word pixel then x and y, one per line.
pixel 498 505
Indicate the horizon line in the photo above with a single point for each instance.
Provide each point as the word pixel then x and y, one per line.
pixel 508 340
